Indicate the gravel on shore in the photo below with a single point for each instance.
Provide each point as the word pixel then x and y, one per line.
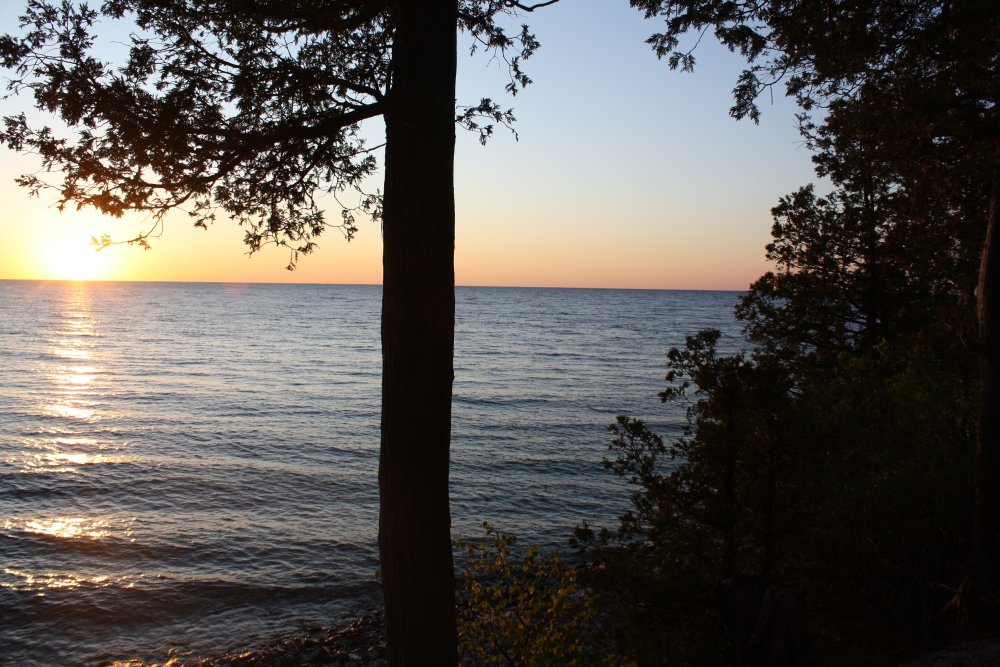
pixel 360 642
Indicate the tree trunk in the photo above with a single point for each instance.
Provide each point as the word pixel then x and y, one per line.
pixel 987 464
pixel 418 325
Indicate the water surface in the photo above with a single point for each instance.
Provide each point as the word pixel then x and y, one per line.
pixel 195 465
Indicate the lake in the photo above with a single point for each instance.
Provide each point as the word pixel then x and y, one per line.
pixel 195 465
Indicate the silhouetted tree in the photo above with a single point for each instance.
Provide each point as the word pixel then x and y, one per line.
pixel 836 452
pixel 856 268
pixel 830 454
pixel 711 506
pixel 925 73
pixel 250 109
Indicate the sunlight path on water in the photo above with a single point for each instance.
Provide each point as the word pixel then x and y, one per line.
pixel 185 465
pixel 71 394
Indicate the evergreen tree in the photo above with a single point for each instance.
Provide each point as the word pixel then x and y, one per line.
pixel 833 452
pixel 918 79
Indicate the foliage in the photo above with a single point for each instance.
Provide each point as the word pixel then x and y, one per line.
pixel 846 49
pixel 704 507
pixel 247 111
pixel 706 487
pixel 839 452
pixel 836 453
pixel 527 611
pixel 847 485
pixel 252 110
pixel 900 96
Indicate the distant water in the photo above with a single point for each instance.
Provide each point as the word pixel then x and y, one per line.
pixel 194 465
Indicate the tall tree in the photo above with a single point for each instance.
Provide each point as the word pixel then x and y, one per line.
pixel 418 327
pixel 927 72
pixel 250 109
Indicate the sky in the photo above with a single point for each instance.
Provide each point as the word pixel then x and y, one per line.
pixel 624 174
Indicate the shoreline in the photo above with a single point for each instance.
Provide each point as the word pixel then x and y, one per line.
pixel 357 642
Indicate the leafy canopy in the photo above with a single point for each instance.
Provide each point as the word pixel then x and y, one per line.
pixel 249 109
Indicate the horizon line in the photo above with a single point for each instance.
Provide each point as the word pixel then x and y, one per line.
pixel 346 284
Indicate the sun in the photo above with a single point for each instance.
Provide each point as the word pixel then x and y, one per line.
pixel 75 258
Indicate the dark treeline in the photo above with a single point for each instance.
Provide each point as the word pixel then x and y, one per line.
pixel 838 456
pixel 844 465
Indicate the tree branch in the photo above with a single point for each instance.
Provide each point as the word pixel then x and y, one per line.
pixel 531 8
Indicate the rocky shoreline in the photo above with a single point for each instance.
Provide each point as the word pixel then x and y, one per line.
pixel 360 642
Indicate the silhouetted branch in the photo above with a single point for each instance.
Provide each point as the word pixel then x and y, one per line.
pixel 531 8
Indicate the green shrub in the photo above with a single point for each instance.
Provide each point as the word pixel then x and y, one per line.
pixel 526 611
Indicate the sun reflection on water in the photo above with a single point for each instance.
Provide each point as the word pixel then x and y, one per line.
pixel 73 353
pixel 63 527
pixel 67 546
pixel 80 459
pixel 57 461
pixel 81 441
pixel 79 375
pixel 75 340
pixel 71 410
pixel 61 452
pixel 41 582
pixel 69 528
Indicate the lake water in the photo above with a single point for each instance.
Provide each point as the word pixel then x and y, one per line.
pixel 195 465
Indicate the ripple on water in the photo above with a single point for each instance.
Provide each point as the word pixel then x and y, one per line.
pixel 185 465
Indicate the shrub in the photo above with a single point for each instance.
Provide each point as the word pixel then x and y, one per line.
pixel 526 611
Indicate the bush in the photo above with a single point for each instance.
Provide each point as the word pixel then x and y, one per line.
pixel 522 612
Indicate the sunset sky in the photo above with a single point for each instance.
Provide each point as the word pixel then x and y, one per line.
pixel 625 175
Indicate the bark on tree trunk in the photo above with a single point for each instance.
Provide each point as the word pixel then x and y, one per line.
pixel 987 463
pixel 418 324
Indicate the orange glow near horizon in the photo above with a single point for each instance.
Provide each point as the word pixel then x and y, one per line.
pixel 187 255
pixel 537 250
pixel 676 197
